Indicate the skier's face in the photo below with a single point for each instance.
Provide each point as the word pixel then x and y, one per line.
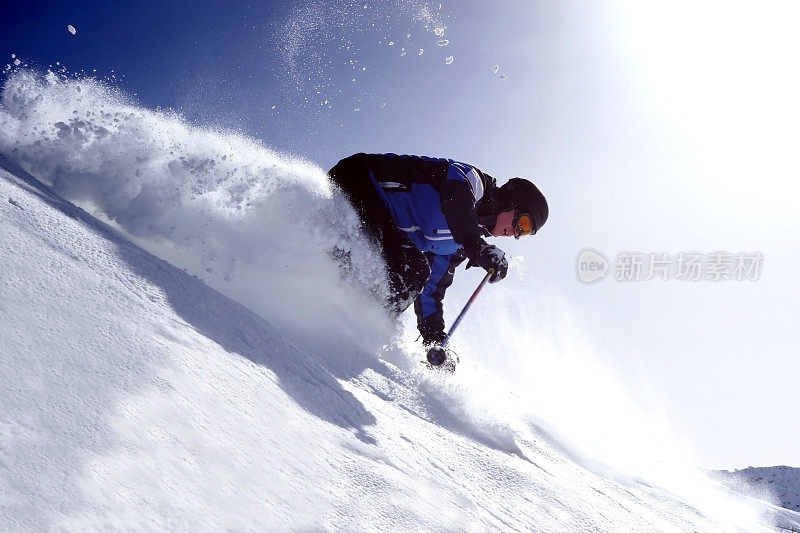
pixel 505 225
pixel 510 225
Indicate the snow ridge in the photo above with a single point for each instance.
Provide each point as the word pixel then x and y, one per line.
pixel 781 483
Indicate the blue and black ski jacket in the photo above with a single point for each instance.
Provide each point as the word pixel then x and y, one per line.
pixel 433 201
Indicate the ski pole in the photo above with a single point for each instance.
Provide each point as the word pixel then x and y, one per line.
pixel 437 354
pixel 467 306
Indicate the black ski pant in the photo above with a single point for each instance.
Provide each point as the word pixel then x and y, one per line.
pixel 407 268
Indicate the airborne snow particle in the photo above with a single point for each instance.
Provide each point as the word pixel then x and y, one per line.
pixel 421 50
pixel 17 62
pixel 448 60
pixel 495 68
pixel 443 42
pixel 13 56
pixel 383 105
pixel 391 43
pixel 71 29
pixel 503 77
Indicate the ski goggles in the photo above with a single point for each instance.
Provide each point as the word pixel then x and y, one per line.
pixel 524 225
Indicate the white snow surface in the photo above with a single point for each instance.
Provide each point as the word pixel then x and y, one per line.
pixel 237 382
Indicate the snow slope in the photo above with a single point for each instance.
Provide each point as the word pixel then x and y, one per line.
pixel 780 483
pixel 134 395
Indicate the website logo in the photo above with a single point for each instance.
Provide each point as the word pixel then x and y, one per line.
pixel 592 266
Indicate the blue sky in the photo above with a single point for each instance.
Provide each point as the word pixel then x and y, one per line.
pixel 651 128
pixel 226 66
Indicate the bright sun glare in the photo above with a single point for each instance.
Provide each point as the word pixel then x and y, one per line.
pixel 725 75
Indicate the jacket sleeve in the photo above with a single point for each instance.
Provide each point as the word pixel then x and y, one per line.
pixel 428 305
pixel 458 197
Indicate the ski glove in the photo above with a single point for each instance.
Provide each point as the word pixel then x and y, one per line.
pixel 431 335
pixel 491 257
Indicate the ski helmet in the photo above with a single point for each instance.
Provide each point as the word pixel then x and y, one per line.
pixel 523 196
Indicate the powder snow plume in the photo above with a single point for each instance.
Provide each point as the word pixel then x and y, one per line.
pixel 259 226
pixel 256 225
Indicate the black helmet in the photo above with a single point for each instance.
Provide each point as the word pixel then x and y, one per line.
pixel 524 197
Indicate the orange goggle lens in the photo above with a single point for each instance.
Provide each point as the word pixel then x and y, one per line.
pixel 524 225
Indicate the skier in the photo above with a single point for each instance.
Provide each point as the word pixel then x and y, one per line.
pixel 428 215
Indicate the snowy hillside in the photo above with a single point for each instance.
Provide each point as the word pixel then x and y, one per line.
pixel 780 484
pixel 134 396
